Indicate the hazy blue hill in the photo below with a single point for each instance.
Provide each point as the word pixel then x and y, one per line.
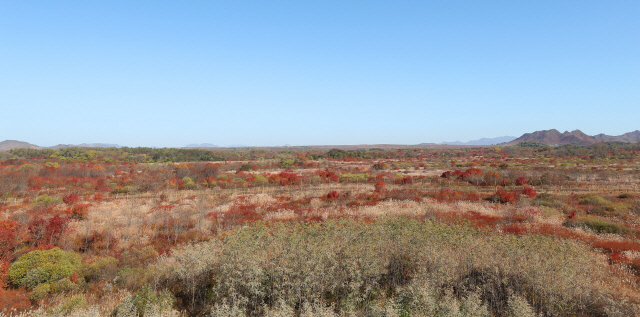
pixel 201 145
pixel 13 144
pixel 64 146
pixel 483 141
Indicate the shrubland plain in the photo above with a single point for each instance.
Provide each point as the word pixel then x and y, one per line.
pixel 525 230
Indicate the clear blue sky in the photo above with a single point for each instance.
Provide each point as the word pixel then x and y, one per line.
pixel 159 73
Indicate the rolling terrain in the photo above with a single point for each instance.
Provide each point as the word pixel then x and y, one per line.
pixel 577 137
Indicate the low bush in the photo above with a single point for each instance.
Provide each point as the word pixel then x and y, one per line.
pixel 612 210
pixel 188 183
pixel 548 200
pixel 132 278
pixel 105 268
pixel 504 197
pixel 594 200
pixel 71 199
pixel 40 291
pixel 122 190
pixel 47 200
pixel 37 267
pixel 260 180
pixel 529 191
pixel 64 285
pixel 598 225
pixel 78 211
pixel 246 167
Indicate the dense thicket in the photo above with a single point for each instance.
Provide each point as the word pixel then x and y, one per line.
pixel 393 267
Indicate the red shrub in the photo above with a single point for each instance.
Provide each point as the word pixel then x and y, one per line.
pixel 15 300
pixel 37 229
pixel 237 215
pixel 504 196
pixel 8 235
pixel 514 230
pixel 450 174
pixel 521 181
pixel 529 191
pixel 79 211
pixel 407 180
pixel 290 177
pixel 380 186
pixel 617 258
pixel 70 199
pixel 481 220
pixel 96 242
pixel 466 175
pixel 472 172
pixel 323 173
pixel 333 195
pixel 55 228
pixel 615 246
pixel 44 232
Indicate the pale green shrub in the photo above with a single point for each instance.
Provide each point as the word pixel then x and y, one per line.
pixel 64 285
pixel 189 183
pixel 46 266
pixel 105 268
pixel 594 200
pixel 47 200
pixel 40 291
pixel 598 225
pixel 260 180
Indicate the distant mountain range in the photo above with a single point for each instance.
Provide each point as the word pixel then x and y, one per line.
pixel 62 146
pixel 201 145
pixel 483 141
pixel 550 137
pixel 13 144
pixel 554 137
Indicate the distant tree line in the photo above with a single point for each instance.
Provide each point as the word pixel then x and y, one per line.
pixel 137 154
pixel 151 155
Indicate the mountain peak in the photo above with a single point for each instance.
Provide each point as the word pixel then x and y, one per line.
pixel 554 137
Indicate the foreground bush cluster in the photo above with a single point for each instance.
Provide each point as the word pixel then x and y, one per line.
pixel 392 267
